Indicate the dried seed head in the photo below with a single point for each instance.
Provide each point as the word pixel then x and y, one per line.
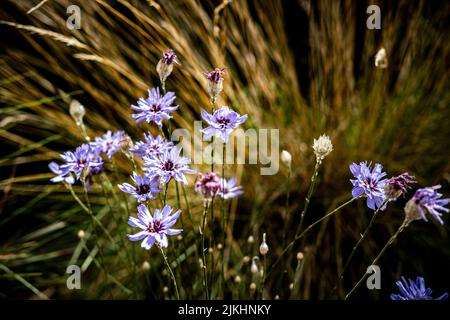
pixel 286 158
pixel 252 286
pixel 77 112
pixel 81 234
pixel 251 239
pixel 146 266
pixel 299 256
pixel 246 259
pixel 210 250
pixel 237 279
pixel 219 246
pixel 381 60
pixel 264 248
pixel 322 147
pixel 277 297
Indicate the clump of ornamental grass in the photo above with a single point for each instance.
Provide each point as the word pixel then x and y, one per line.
pixel 394 115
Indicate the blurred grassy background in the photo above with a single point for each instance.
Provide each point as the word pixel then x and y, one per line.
pixel 304 67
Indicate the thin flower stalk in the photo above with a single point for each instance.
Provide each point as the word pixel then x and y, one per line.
pixel 174 280
pixel 309 195
pixel 375 261
pixel 205 276
pixel 301 235
pixel 356 246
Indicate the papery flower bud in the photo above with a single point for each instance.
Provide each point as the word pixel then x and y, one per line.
pixel 277 297
pixel 146 266
pixel 81 234
pixel 322 147
pixel 237 279
pixel 165 289
pixel 219 246
pixel 251 239
pixel 77 112
pixel 299 256
pixel 291 286
pixel 252 286
pixel 254 267
pixel 381 60
pixel 215 82
pixel 264 248
pixel 286 158
pixel 165 65
pixel 246 259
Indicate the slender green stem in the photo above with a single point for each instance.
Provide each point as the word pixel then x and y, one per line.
pixel 297 237
pixel 391 240
pixel 165 194
pixel 223 223
pixel 366 231
pixel 263 278
pixel 286 209
pixel 205 277
pixel 309 195
pixel 174 280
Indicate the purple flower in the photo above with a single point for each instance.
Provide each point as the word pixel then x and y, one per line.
pixel 154 228
pixel 222 122
pixel 151 146
pixel 208 184
pixel 215 75
pixel 415 290
pixel 60 175
pixel 169 57
pixel 84 157
pixel 369 182
pixel 109 143
pixel 428 199
pixel 168 165
pixel 399 185
pixel 144 189
pixel 228 189
pixel 155 108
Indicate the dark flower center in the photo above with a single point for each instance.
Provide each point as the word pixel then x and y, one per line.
pixel 155 226
pixel 168 166
pixel 142 189
pixel 223 122
pixel 155 108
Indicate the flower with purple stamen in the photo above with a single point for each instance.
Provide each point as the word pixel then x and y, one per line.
pixel 169 57
pixel 168 165
pixel 398 186
pixel 109 143
pixel 84 157
pixel 143 189
pixel 415 290
pixel 427 200
pixel 60 174
pixel 222 122
pixel 155 108
pixel 369 182
pixel 154 228
pixel 208 184
pixel 151 146
pixel 229 189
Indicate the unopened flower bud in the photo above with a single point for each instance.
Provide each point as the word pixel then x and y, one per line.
pixel 322 147
pixel 254 267
pixel 237 279
pixel 381 60
pixel 81 234
pixel 252 286
pixel 251 239
pixel 165 65
pixel 246 259
pixel 210 250
pixel 291 286
pixel 77 112
pixel 277 297
pixel 264 248
pixel 286 158
pixel 299 256
pixel 165 289
pixel 215 82
pixel 146 266
pixel 219 246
